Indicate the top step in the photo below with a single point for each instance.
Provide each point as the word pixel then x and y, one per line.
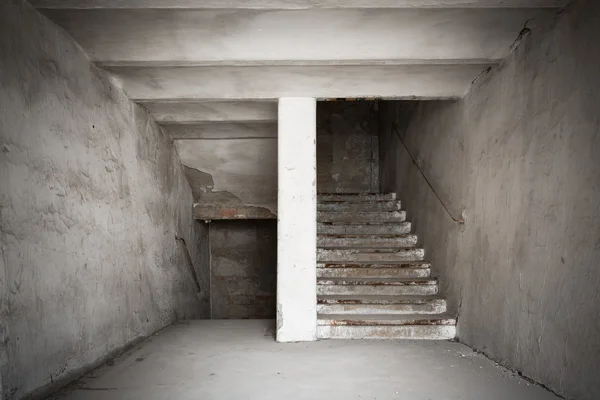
pixel 356 197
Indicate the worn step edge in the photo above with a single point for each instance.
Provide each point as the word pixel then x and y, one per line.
pixel 393 205
pixel 380 300
pixel 352 273
pixel 365 236
pixel 385 305
pixel 359 197
pixel 378 319
pixel 407 265
pixel 405 332
pixel 381 290
pixel 378 281
pixel 364 229
pixel 366 241
pixel 394 256
pixel 369 250
pixel 432 308
pixel 366 216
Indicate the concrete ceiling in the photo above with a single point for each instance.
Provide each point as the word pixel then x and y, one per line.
pixel 210 71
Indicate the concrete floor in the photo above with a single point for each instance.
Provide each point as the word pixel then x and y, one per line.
pixel 238 359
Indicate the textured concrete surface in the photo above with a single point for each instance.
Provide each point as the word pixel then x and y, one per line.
pixel 347 147
pixel 213 111
pixel 232 172
pixel 221 130
pixel 243 269
pixel 219 359
pixel 297 220
pixel 518 157
pixel 239 82
pixel 292 4
pixel 264 36
pixel 92 201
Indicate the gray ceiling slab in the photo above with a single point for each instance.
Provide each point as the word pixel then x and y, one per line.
pixel 223 111
pixel 222 130
pixel 290 4
pixel 272 82
pixel 224 36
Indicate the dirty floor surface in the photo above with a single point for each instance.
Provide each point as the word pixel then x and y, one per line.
pixel 238 359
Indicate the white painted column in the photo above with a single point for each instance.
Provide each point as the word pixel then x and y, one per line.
pixel 297 221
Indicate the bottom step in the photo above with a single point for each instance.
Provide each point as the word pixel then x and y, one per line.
pixel 429 327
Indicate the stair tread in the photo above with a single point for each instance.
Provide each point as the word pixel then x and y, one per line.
pixel 370 250
pixel 386 319
pixel 376 299
pixel 357 196
pixel 399 265
pixel 377 281
pixel 366 236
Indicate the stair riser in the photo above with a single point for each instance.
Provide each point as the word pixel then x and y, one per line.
pixel 340 242
pixel 388 229
pixel 378 290
pixel 413 332
pixel 361 217
pixel 437 307
pixel 373 273
pixel 352 256
pixel 366 206
pixel 356 198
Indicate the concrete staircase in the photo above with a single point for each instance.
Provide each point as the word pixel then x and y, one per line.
pixel 372 280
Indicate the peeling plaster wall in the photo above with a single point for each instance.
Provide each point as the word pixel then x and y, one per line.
pixel 347 147
pixel 92 197
pixel 244 269
pixel 519 158
pixel 232 172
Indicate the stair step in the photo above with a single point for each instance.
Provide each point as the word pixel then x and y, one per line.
pixel 361 217
pixel 370 255
pixel 373 273
pixel 356 197
pixel 377 286
pixel 377 319
pixel 359 206
pixel 364 229
pixel 405 264
pixel 386 305
pixel 355 241
pixel 374 326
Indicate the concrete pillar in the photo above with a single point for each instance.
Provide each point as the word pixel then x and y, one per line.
pixel 297 221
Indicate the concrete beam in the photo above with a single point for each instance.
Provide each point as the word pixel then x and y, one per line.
pixel 289 4
pixel 271 82
pixel 210 212
pixel 266 36
pixel 232 111
pixel 222 130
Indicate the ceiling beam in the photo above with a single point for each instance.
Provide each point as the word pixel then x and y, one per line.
pixel 232 111
pixel 222 130
pixel 273 82
pixel 266 36
pixel 289 4
pixel 209 212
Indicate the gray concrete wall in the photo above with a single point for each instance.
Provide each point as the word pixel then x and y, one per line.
pixel 347 147
pixel 243 269
pixel 519 159
pixel 92 199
